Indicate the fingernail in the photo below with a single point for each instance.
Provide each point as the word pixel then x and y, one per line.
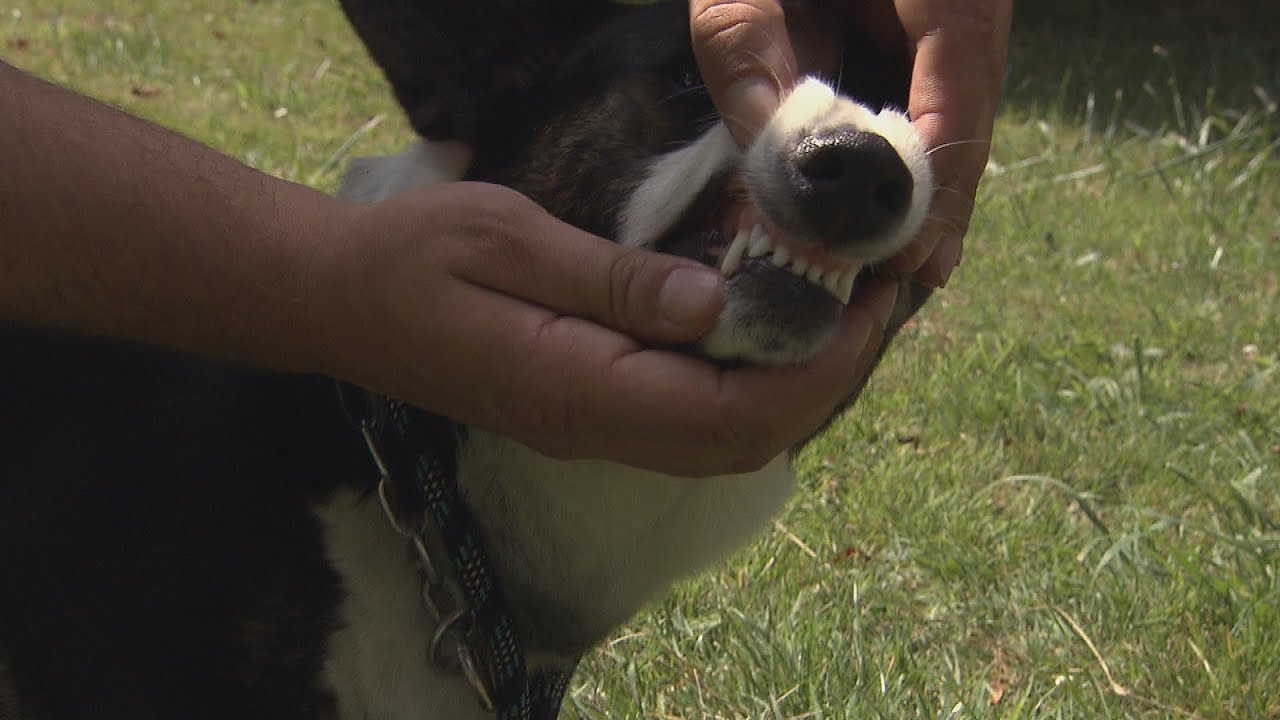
pixel 747 106
pixel 946 257
pixel 916 254
pixel 690 296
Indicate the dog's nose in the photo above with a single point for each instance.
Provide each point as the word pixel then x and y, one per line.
pixel 852 185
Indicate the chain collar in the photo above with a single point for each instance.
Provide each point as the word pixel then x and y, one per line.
pixel 415 454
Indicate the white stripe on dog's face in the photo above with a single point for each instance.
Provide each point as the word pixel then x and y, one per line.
pixel 673 183
pixel 769 222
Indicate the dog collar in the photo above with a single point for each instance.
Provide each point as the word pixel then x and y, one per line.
pixel 416 456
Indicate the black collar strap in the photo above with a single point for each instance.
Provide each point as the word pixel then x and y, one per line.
pixel 416 455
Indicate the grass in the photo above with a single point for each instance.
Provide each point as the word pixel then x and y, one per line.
pixel 1060 496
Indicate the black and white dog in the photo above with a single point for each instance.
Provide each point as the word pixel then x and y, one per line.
pixel 185 539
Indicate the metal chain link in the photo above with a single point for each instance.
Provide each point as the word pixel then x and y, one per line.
pixel 451 613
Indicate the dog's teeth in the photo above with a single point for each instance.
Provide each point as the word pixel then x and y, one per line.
pixel 761 243
pixel 799 266
pixel 831 281
pixel 733 256
pixel 845 289
pixel 781 256
pixel 814 275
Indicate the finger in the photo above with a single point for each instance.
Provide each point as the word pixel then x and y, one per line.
pixel 745 57
pixel 749 415
pixel 582 391
pixel 956 82
pixel 523 251
pixel 945 258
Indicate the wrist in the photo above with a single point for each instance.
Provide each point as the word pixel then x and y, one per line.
pixel 326 336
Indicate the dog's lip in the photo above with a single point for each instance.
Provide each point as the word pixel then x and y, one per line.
pixel 726 230
pixel 753 237
pixel 744 217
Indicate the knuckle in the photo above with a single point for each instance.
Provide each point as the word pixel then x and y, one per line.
pixel 495 234
pixel 625 273
pixel 742 446
pixel 983 24
pixel 534 401
pixel 731 31
pixel 976 16
pixel 496 246
pixel 712 19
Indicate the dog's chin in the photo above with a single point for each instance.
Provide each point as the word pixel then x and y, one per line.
pixel 771 317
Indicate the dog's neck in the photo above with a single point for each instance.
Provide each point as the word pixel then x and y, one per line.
pixel 378 664
pixel 578 547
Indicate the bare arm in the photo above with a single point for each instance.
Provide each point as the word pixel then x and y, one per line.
pixel 114 226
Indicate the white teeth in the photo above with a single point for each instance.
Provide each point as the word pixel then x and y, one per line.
pixel 832 283
pixel 761 243
pixel 757 243
pixel 845 289
pixel 781 256
pixel 733 256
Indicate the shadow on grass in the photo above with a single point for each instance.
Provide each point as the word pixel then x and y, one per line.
pixel 1144 64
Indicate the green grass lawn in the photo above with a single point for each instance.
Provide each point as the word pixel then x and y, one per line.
pixel 1060 496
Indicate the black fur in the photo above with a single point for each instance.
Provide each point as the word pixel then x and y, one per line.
pixel 160 559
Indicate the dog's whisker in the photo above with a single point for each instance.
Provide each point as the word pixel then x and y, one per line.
pixel 955 143
pixel 777 81
pixel 947 188
pixel 700 88
pixel 840 71
pixel 946 222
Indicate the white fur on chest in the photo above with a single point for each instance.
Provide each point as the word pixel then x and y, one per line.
pixel 595 540
pixel 377 665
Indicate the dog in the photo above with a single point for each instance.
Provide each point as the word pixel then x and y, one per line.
pixel 187 539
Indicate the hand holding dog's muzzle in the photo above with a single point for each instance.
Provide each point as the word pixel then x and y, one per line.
pixel 959 46
pixel 470 301
pixel 956 83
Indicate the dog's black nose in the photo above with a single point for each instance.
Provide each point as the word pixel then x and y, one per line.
pixel 851 185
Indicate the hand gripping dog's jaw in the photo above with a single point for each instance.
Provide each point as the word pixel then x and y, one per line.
pixel 827 189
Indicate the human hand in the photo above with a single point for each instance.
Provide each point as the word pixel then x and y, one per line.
pixel 471 301
pixel 959 45
pixel 956 82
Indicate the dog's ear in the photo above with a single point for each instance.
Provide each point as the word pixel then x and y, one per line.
pixel 453 63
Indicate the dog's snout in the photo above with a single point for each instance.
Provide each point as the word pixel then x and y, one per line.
pixel 852 184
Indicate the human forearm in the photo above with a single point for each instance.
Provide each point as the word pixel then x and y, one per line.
pixel 114 226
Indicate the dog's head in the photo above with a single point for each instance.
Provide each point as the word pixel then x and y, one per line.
pixel 599 115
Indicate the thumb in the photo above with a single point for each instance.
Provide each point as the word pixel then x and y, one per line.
pixel 528 254
pixel 745 57
pixel 657 297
